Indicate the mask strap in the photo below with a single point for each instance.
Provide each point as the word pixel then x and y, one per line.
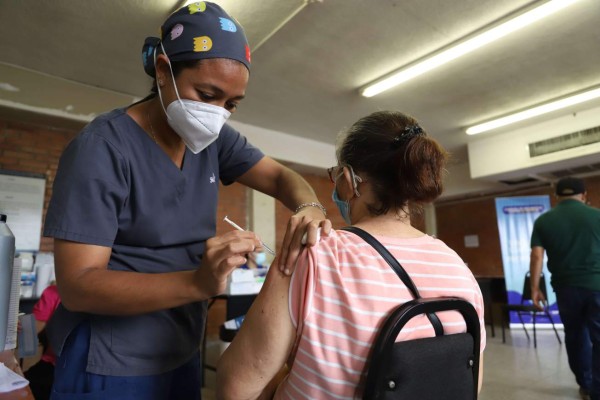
pixel 157 85
pixel 355 181
pixel 172 78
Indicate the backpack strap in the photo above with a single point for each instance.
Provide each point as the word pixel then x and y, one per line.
pixel 400 271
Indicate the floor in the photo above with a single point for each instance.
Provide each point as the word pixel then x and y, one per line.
pixel 514 370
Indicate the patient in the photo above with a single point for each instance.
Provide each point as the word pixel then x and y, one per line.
pixel 308 336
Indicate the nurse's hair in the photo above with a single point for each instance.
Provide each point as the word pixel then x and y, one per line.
pixel 394 154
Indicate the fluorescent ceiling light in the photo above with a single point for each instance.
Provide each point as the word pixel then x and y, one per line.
pixel 8 87
pixel 535 111
pixel 465 47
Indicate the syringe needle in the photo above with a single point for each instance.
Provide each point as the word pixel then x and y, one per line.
pixel 239 228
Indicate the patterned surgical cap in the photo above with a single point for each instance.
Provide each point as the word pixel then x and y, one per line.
pixel 198 31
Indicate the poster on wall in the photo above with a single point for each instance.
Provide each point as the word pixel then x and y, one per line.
pixel 22 201
pixel 516 216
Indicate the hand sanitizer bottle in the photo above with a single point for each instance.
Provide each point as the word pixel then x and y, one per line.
pixel 7 258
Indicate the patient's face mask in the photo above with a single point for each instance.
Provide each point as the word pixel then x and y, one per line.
pixel 198 124
pixel 343 206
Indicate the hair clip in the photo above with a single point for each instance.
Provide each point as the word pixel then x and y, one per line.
pixel 409 133
pixel 413 130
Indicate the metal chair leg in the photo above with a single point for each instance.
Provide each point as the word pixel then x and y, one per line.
pixel 523 324
pixel 503 323
pixel 553 327
pixel 492 321
pixel 534 332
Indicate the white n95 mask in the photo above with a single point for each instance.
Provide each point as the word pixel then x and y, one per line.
pixel 198 124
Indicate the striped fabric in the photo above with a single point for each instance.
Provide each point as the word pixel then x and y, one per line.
pixel 340 293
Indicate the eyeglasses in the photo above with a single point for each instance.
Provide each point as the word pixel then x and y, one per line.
pixel 355 178
pixel 332 176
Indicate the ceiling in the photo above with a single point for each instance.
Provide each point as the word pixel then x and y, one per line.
pixel 309 60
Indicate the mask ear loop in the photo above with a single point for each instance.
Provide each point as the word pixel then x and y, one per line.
pixel 157 85
pixel 172 78
pixel 355 181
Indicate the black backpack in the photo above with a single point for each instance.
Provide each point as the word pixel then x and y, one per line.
pixel 444 367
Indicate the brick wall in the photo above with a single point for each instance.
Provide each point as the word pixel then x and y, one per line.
pixel 455 220
pixel 31 148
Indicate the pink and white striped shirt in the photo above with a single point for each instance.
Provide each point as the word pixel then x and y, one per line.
pixel 341 291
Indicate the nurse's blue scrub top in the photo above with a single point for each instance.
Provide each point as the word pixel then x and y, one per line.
pixel 116 187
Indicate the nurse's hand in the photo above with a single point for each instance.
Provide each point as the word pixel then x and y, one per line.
pixel 308 220
pixel 222 255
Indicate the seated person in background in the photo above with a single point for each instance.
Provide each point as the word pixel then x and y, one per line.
pixel 41 375
pixel 309 335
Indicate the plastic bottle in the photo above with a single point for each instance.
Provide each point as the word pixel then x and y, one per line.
pixel 7 257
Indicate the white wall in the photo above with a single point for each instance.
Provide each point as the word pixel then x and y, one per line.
pixel 285 147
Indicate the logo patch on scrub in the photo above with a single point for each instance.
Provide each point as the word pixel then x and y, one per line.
pixel 197 7
pixel 176 31
pixel 202 43
pixel 227 25
pixel 212 179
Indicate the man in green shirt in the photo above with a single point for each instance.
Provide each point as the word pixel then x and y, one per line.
pixel 570 234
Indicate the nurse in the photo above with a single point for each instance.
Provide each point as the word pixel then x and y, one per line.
pixel 133 217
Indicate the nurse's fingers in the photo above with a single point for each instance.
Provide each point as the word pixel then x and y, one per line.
pixel 302 229
pixel 221 256
pixel 291 235
pixel 235 243
pixel 235 235
pixel 227 265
